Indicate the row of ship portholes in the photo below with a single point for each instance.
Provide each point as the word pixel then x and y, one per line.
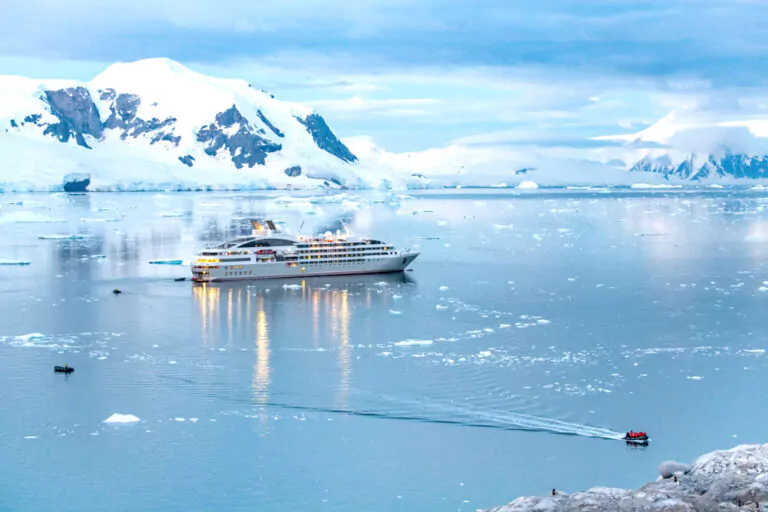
pixel 243 273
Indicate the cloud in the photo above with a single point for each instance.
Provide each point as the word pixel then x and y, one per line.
pixel 707 39
pixel 394 107
pixel 429 71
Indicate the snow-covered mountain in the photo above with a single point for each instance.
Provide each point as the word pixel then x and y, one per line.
pixel 696 146
pixel 157 124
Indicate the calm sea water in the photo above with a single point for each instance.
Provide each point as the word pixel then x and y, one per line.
pixel 533 329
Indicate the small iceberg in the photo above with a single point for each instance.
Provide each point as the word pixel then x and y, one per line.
pixel 24 217
pixel 35 336
pixel 651 185
pixel 122 418
pixel 530 185
pixel 98 219
pixel 291 287
pixel 166 262
pixel 64 237
pixel 412 343
pixel 15 262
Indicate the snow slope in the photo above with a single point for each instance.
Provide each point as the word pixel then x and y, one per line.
pixel 698 146
pixel 154 124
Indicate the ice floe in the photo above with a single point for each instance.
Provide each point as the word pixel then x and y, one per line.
pixel 653 185
pixel 122 418
pixel 97 219
pixel 528 185
pixel 166 262
pixel 64 237
pixel 23 217
pixel 20 263
pixel 412 343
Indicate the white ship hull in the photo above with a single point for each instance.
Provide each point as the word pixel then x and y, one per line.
pixel 280 269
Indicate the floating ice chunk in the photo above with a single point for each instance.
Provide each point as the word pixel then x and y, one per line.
pixel 291 287
pixel 412 343
pixel 504 326
pixel 440 307
pixel 122 418
pixel 18 263
pixel 193 420
pixel 694 377
pixel 30 437
pixel 763 289
pixel 179 419
pixel 395 312
pixel 754 351
pixel 23 217
pixel 396 297
pixel 528 185
pixel 651 185
pixel 171 214
pixel 35 336
pixel 64 237
pixel 484 353
pixel 166 262
pixel 97 219
pixel 504 226
pixel 444 288
pixel 381 283
pixel 715 185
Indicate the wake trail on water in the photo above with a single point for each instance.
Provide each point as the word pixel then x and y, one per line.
pixel 429 411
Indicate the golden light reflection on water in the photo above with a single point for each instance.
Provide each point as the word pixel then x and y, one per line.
pixel 329 309
pixel 229 317
pixel 262 371
pixel 345 349
pixel 207 299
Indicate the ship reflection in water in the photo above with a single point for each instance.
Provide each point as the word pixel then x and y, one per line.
pixel 297 317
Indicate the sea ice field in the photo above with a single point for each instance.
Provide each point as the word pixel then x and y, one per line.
pixel 535 328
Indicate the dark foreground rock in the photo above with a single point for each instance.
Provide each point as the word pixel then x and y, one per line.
pixel 727 480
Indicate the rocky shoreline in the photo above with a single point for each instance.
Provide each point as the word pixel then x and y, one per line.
pixel 724 480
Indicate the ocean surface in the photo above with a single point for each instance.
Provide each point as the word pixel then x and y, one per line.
pixel 534 329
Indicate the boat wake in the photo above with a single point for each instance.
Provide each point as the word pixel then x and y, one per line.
pixel 469 417
pixel 430 411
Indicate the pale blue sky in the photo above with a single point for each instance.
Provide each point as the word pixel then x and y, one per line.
pixel 418 74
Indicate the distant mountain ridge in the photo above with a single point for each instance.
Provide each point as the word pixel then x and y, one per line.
pixel 699 168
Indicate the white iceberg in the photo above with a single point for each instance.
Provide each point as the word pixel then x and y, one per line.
pixel 35 336
pixel 166 262
pixel 530 185
pixel 653 185
pixel 412 343
pixel 15 262
pixel 122 418
pixel 64 237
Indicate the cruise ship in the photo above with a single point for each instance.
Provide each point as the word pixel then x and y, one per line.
pixel 268 253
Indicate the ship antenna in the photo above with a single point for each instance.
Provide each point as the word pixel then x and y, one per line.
pixel 302 225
